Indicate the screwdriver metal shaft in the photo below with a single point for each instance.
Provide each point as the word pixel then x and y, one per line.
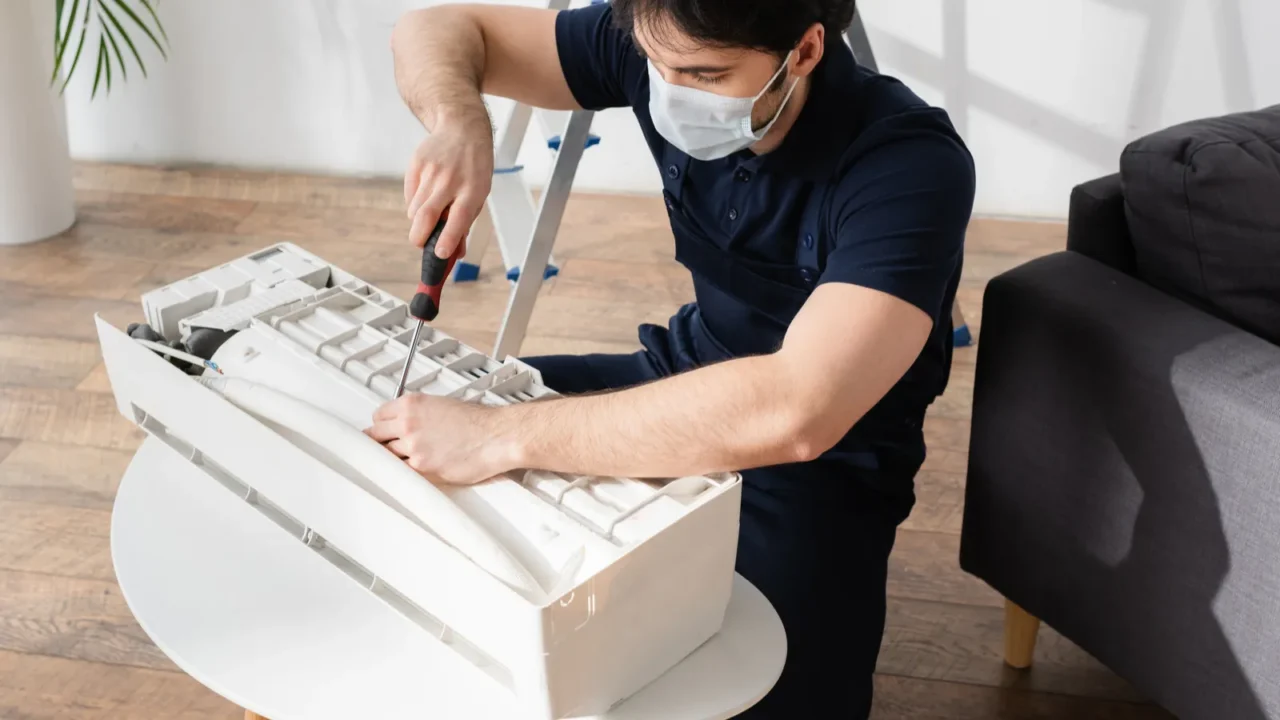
pixel 408 361
pixel 426 301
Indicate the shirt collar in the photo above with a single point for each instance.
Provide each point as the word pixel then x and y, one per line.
pixel 827 124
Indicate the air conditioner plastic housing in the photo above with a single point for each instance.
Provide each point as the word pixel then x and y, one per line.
pixel 635 574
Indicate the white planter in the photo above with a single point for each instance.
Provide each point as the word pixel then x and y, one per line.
pixel 36 195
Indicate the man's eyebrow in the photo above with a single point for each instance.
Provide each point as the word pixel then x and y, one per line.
pixel 689 69
pixel 701 69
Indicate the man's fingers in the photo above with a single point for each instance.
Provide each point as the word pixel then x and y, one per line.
pixel 399 447
pixel 425 221
pixel 420 194
pixel 454 231
pixel 462 214
pixel 412 178
pixel 388 411
pixel 384 430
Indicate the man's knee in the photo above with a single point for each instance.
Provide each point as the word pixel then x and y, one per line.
pixel 827 583
pixel 833 640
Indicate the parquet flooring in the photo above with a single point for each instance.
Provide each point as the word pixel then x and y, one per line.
pixel 70 649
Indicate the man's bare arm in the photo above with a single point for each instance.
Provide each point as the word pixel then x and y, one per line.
pixel 445 58
pixel 842 353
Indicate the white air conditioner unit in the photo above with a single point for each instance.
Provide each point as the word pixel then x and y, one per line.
pixel 571 593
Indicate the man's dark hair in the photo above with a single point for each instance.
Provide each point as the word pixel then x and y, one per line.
pixel 773 26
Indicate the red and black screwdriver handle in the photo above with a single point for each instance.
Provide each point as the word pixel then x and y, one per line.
pixel 435 270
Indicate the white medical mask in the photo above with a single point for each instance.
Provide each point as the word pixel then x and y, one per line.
pixel 704 125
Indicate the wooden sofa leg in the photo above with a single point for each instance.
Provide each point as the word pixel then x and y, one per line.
pixel 251 715
pixel 1020 629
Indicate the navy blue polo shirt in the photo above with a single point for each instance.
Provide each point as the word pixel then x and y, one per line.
pixel 898 184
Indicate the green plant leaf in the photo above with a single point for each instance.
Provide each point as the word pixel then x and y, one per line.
pixel 147 4
pixel 57 35
pixel 129 11
pixel 111 38
pixel 128 41
pixel 60 45
pixel 107 55
pixel 102 61
pixel 57 40
pixel 114 32
pixel 75 60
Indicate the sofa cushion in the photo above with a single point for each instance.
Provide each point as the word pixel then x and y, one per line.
pixel 1202 200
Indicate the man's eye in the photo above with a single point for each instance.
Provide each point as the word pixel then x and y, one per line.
pixel 709 79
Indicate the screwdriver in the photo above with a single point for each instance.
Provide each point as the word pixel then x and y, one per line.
pixel 426 301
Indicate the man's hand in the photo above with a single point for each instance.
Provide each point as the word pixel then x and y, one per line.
pixel 845 349
pixel 445 57
pixel 446 440
pixel 451 169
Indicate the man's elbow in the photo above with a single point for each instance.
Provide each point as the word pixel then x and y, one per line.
pixel 405 25
pixel 405 29
pixel 814 433
pixel 410 24
pixel 802 450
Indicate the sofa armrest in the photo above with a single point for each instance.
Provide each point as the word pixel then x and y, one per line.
pixel 1124 481
pixel 1096 224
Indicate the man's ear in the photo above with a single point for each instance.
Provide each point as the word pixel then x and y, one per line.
pixel 809 51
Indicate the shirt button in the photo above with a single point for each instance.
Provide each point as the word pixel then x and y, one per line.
pixel 673 172
pixel 733 214
pixel 743 175
pixel 808 241
pixel 808 274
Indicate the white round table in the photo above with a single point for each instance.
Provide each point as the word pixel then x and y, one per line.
pixel 267 623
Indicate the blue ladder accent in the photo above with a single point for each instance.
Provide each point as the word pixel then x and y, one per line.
pixel 961 337
pixel 508 171
pixel 514 273
pixel 466 272
pixel 554 142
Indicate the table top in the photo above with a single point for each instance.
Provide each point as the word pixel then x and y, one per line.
pixel 269 624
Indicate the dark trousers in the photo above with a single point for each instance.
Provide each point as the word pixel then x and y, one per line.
pixel 814 538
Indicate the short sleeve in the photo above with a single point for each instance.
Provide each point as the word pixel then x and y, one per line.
pixel 899 218
pixel 599 60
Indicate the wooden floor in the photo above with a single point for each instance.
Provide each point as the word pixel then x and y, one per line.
pixel 69 648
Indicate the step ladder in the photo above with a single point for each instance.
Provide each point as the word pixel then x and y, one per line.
pixel 512 216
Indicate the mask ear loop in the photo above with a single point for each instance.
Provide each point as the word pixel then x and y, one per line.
pixel 769 84
pixel 785 99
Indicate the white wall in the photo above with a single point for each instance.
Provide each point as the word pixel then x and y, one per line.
pixel 1047 92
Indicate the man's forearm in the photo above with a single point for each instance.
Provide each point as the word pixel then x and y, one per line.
pixel 844 350
pixel 729 416
pixel 439 65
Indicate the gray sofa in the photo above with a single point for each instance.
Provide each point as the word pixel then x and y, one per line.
pixel 1124 472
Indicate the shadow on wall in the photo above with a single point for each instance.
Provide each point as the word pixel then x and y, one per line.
pixel 963 90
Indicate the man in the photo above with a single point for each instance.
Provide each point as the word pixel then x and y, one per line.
pixel 821 209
